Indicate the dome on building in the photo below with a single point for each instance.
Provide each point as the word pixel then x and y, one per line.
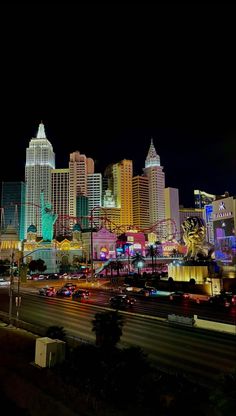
pixel 76 227
pixel 32 229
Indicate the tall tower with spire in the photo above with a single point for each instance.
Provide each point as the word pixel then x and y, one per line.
pixel 156 185
pixel 40 160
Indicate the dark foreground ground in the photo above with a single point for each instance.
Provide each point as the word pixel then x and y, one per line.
pixel 79 387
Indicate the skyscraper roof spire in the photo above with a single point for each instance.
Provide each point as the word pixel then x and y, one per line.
pixel 41 132
pixel 152 158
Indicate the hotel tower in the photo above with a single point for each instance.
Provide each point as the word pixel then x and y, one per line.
pixel 156 186
pixel 40 160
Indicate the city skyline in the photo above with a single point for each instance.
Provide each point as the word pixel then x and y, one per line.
pixel 180 168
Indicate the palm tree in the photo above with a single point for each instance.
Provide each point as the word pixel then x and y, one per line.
pixel 108 328
pixel 56 332
pixel 152 253
pixel 138 261
pixel 117 266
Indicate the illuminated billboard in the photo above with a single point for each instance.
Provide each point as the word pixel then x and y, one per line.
pixel 224 230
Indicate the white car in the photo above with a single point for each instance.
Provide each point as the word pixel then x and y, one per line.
pixel 4 282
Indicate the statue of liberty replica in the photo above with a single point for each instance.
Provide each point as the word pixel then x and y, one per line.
pixel 48 219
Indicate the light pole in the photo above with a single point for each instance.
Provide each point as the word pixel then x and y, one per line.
pixel 91 237
pixel 11 288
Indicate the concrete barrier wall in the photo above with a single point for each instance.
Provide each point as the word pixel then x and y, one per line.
pixel 215 326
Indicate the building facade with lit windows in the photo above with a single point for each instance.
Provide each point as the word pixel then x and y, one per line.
pixel 10 244
pixel 40 160
pixel 94 190
pixel 104 245
pixel 79 167
pixel 60 200
pixel 111 219
pixel 156 185
pixel 13 206
pixel 120 183
pixel 82 210
pixel 60 253
pixel 140 202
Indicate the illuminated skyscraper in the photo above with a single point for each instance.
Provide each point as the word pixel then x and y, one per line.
pixel 13 205
pixel 60 200
pixel 79 166
pixel 156 185
pixel 140 201
pixel 94 190
pixel 82 211
pixel 40 160
pixel 122 191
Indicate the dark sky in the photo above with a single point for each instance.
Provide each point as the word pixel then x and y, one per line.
pixel 104 79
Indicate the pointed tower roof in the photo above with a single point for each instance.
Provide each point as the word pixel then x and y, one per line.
pixel 41 132
pixel 152 158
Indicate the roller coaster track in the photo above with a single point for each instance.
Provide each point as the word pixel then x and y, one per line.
pixel 165 229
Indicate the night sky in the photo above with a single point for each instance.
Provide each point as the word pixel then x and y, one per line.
pixel 105 79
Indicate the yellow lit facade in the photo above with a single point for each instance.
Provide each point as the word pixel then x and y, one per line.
pixel 122 184
pixel 140 201
pixel 113 218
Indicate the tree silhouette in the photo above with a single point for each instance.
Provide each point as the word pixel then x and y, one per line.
pixel 38 265
pixel 56 332
pixel 151 251
pixel 108 328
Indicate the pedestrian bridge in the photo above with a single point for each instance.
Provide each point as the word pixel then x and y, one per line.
pixel 147 260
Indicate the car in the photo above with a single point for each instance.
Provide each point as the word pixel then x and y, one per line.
pixel 151 290
pixel 41 276
pixel 179 296
pixel 122 301
pixel 53 276
pixel 47 291
pixel 4 282
pixel 80 294
pixel 64 292
pixel 70 286
pixel 223 299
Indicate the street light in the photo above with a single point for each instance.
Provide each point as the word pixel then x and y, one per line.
pixel 91 237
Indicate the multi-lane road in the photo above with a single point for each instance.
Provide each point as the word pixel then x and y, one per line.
pixel 203 354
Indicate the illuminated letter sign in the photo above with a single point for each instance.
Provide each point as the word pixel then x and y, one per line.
pixel 221 206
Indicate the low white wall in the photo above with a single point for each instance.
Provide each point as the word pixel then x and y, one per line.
pixel 215 326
